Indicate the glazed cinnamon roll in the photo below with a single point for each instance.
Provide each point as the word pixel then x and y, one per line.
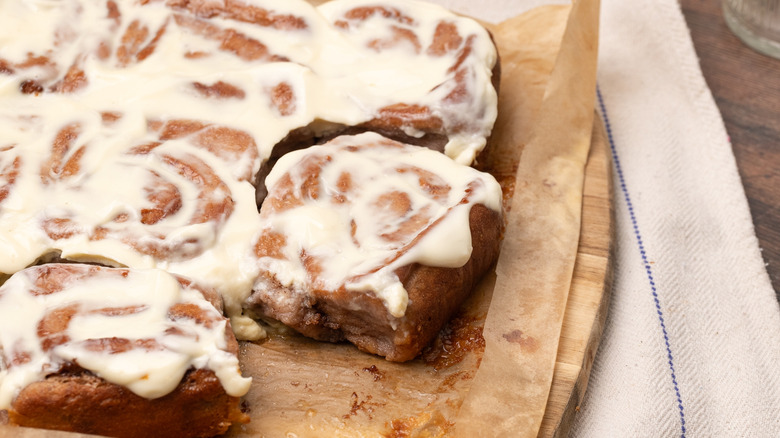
pixel 138 135
pixel 454 58
pixel 133 132
pixel 117 352
pixel 166 198
pixel 373 241
pixel 407 69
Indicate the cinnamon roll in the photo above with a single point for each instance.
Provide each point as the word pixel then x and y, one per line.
pixel 138 135
pixel 373 241
pixel 404 68
pixel 177 196
pixel 117 352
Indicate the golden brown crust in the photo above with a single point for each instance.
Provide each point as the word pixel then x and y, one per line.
pixel 390 122
pixel 435 294
pixel 82 402
pixel 74 399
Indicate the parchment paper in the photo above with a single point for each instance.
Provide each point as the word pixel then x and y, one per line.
pixel 472 381
pixel 535 268
pixel 305 388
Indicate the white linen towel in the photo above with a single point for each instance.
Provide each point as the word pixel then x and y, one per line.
pixel 692 341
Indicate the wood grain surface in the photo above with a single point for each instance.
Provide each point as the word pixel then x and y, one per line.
pixel 586 308
pixel 746 87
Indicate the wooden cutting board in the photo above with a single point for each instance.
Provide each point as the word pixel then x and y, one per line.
pixel 586 308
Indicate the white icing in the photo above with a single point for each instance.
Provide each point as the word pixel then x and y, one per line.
pixel 381 82
pixel 148 373
pixel 363 260
pixel 330 73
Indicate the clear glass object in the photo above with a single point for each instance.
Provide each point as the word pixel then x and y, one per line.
pixel 756 23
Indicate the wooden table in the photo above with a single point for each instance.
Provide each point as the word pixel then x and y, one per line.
pixel 746 86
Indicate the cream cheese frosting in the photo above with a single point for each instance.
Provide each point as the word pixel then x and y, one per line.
pixel 131 131
pixel 353 211
pixel 120 324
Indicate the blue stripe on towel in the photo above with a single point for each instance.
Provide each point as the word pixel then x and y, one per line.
pixel 648 268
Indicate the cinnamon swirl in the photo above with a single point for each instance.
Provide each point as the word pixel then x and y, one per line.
pixel 133 132
pixel 373 241
pixel 117 352
pixel 138 135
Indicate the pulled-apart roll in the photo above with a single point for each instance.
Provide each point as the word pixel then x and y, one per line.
pixel 373 241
